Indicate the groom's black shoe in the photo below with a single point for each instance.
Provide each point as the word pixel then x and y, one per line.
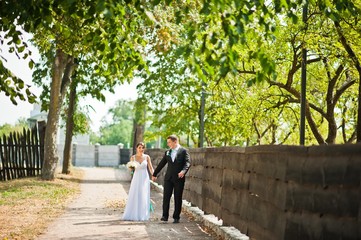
pixel 176 220
pixel 164 219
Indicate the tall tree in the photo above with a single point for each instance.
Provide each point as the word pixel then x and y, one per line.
pixel 140 109
pixel 274 108
pixel 211 43
pixel 99 39
pixel 63 67
pixel 69 127
pixel 352 47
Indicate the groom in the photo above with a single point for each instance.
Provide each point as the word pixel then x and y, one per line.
pixel 178 161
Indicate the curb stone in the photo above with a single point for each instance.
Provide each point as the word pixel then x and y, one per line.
pixel 209 220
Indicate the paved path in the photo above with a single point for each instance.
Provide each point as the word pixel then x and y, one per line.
pixel 93 215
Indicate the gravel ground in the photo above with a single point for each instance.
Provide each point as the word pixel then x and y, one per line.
pixel 97 212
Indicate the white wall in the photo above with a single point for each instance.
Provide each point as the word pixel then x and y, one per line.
pixel 85 155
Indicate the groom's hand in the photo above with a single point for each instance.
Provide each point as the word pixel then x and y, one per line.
pixel 181 174
pixel 154 178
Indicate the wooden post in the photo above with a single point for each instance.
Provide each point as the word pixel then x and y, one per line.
pixel 41 129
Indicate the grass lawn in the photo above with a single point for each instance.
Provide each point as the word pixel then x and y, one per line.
pixel 29 205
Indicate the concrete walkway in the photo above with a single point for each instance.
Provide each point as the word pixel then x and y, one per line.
pixel 96 213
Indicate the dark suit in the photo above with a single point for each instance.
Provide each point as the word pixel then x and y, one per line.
pixel 182 162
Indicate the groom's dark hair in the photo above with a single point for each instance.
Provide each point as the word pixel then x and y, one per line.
pixel 173 137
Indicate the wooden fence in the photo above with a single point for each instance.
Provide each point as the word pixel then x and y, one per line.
pixel 21 155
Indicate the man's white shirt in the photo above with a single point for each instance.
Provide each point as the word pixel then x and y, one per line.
pixel 174 152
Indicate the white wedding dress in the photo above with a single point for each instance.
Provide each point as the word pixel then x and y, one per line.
pixel 138 203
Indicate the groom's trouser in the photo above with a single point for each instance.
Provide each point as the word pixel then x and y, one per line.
pixel 178 187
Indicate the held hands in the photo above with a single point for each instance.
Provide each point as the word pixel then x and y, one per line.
pixel 154 178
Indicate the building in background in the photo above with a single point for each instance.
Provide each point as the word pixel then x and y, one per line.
pixel 36 115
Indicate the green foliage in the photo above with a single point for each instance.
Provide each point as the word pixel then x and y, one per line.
pixel 117 127
pixel 14 87
pixel 81 122
pixel 234 54
pixel 113 134
pixel 211 32
pixel 17 17
pixel 172 98
pixel 247 53
pixel 102 35
pixel 6 128
pixel 104 40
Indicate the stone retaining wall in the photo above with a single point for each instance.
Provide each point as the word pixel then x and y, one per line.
pixel 278 192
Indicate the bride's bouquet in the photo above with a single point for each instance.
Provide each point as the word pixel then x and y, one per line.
pixel 131 166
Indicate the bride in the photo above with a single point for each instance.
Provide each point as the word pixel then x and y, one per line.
pixel 138 203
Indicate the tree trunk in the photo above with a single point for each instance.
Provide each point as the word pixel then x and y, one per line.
pixel 331 102
pixel 69 129
pixel 138 123
pixel 138 135
pixel 357 63
pixel 62 69
pixel 50 148
pixel 313 126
